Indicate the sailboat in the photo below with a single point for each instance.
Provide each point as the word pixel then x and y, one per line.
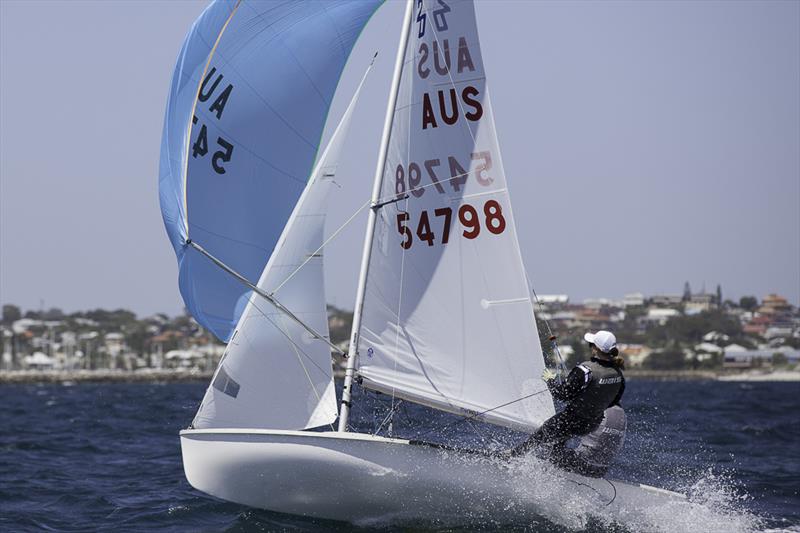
pixel 443 313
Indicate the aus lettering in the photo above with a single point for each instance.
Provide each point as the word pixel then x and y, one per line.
pixel 442 58
pixel 209 88
pixel 446 108
pixel 214 90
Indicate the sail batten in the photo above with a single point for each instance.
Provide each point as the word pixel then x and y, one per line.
pixel 447 319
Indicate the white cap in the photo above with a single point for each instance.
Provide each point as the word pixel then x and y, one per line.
pixel 604 340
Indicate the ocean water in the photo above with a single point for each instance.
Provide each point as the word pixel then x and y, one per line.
pixel 91 457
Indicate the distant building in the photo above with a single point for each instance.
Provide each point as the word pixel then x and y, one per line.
pixel 26 324
pixel 659 316
pixel 715 336
pixel 599 303
pixel 699 303
pixel 634 354
pixel 634 299
pixel 666 300
pixel 781 331
pixel 114 343
pixel 38 361
pixel 745 358
pixel 773 305
pixel 707 347
pixel 589 319
pixel 757 326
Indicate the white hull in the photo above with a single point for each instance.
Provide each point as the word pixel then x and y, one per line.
pixel 362 478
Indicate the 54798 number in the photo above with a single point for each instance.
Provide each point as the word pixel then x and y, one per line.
pixel 493 221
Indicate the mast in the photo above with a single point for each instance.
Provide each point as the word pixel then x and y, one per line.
pixel 373 213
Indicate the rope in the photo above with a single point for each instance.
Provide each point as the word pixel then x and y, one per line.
pixel 297 350
pixel 399 308
pixel 465 418
pixel 562 367
pixel 615 491
pixel 390 415
pixel 325 243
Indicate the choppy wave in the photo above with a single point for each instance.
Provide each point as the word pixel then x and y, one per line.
pixel 102 457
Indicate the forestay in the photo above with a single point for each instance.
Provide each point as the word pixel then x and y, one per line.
pixel 248 102
pixel 448 319
pixel 274 373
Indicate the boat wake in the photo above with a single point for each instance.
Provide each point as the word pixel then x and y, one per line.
pixel 544 498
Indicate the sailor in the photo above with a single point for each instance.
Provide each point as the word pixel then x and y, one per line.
pixel 590 388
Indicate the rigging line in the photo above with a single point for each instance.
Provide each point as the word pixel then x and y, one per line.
pixel 297 351
pixel 458 196
pixel 392 197
pixel 465 418
pixel 476 430
pixel 325 243
pixel 390 415
pixel 268 297
pixel 311 360
pixel 316 177
pixel 615 491
pixel 422 367
pixel 600 494
pixel 399 308
pixel 562 367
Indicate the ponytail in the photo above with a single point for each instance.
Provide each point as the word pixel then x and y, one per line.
pixel 616 358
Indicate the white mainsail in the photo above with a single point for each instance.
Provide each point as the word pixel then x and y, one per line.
pixel 447 319
pixel 274 373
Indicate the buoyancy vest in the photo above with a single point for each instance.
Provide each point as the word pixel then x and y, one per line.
pixel 602 384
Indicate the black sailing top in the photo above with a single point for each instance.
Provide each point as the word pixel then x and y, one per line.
pixel 590 388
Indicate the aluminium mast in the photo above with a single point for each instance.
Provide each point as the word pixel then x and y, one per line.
pixel 373 213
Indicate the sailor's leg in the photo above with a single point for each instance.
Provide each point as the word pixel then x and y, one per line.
pixel 565 458
pixel 554 431
pixel 568 459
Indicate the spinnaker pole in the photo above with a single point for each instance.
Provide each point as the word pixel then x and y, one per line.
pixel 373 213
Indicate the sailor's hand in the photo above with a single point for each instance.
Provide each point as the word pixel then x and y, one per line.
pixel 548 375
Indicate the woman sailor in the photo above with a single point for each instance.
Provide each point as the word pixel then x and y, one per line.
pixel 590 388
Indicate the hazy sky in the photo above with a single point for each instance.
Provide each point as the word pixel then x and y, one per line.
pixel 645 144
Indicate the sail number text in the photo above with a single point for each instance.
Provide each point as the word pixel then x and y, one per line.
pixel 408 178
pixel 493 221
pixel 199 147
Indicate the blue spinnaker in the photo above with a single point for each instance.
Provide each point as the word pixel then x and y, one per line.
pixel 247 106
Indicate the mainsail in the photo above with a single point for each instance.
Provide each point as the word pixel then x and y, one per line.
pixel 266 342
pixel 247 106
pixel 447 319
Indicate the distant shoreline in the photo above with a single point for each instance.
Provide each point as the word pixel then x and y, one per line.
pixel 180 376
pixel 102 376
pixel 711 375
